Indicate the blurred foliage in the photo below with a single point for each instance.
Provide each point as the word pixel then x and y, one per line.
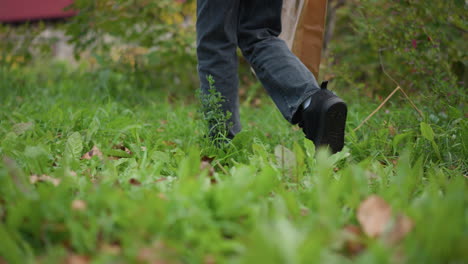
pixel 20 43
pixel 153 40
pixel 421 44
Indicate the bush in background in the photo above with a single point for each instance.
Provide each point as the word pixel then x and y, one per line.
pixel 421 44
pixel 151 41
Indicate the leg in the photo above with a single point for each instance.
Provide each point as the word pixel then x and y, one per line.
pixel 284 76
pixel 217 22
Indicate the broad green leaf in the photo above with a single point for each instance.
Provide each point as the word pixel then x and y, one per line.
pixel 74 145
pixel 399 138
pixel 427 132
pixel 285 158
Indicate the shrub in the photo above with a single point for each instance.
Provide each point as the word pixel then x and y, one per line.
pixel 419 44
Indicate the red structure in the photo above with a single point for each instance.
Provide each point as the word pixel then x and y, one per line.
pixel 30 10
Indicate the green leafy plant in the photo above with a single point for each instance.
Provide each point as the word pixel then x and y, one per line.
pixel 152 40
pixel 216 119
pixel 418 44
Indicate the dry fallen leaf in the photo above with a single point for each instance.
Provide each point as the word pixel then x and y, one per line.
pixel 134 182
pixel 77 259
pixel 402 226
pixel 392 130
pixel 257 102
pixel 33 179
pixel 162 196
pixel 123 148
pixel 206 165
pixel 353 245
pixel 111 249
pixel 158 253
pixel 95 151
pixel 373 215
pixel 376 218
pixel 79 205
pixel 305 211
pixel 20 128
pixel 209 259
pixel 161 179
pixel 169 143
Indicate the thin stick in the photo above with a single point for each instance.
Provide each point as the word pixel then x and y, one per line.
pixel 222 168
pixel 377 109
pixel 390 96
pixel 397 84
pixel 411 102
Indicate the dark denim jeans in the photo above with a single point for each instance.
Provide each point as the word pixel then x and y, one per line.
pixel 254 27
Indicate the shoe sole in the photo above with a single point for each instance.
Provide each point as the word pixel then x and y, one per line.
pixel 332 125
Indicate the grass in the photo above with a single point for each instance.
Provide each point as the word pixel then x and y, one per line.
pixel 162 194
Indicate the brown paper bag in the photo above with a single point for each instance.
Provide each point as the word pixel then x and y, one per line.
pixel 303 30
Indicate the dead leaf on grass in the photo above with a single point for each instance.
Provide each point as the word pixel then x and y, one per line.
pixel 79 205
pixel 169 143
pixel 161 179
pixel 257 102
pixel 134 182
pixel 20 128
pixel 111 249
pixel 209 259
pixel 33 179
pixel 392 130
pixel 123 148
pixel 376 218
pixel 205 165
pixel 77 259
pixel 373 215
pixel 353 244
pixel 162 196
pixel 157 253
pixel 305 211
pixel 402 226
pixel 295 128
pixel 95 151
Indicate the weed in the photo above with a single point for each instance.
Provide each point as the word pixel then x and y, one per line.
pixel 217 121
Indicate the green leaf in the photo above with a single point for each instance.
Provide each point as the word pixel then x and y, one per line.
pixel 74 145
pixel 427 132
pixel 398 139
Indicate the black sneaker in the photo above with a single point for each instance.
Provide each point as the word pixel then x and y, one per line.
pixel 323 121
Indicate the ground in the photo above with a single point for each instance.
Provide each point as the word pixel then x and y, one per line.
pixel 96 169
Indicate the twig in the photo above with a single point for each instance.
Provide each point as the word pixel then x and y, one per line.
pixel 398 88
pixel 377 109
pixel 222 168
pixel 398 85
